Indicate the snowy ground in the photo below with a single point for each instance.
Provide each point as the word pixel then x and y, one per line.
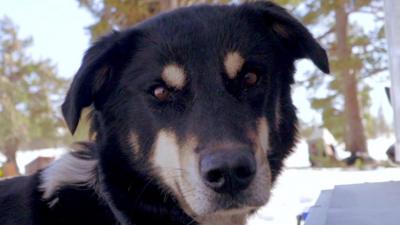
pixel 298 189
pixel 25 157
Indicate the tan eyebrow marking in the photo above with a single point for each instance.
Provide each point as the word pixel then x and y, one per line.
pixel 281 30
pixel 174 76
pixel 233 63
pixel 134 141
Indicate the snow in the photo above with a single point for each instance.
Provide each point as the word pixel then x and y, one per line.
pixel 2 158
pixel 298 189
pixel 299 186
pixel 300 156
pixel 377 147
pixel 25 157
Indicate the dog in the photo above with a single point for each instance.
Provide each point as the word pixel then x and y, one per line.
pixel 192 118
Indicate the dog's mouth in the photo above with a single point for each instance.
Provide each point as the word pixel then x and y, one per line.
pixel 221 209
pixel 234 206
pixel 231 203
pixel 240 202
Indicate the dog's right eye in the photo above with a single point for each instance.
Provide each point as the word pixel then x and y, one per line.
pixel 250 79
pixel 161 93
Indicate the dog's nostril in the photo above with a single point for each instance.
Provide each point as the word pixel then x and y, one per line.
pixel 215 176
pixel 243 172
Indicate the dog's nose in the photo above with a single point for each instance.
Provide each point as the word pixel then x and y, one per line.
pixel 228 171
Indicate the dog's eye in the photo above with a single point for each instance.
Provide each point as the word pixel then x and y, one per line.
pixel 161 93
pixel 250 79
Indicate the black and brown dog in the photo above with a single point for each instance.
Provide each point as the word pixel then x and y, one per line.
pixel 193 118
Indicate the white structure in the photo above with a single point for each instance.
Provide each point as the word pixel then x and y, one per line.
pixel 392 15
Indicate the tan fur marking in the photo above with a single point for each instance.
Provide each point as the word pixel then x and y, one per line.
pixel 263 134
pixel 233 63
pixel 236 218
pixel 188 169
pixel 173 164
pixel 166 158
pixel 174 76
pixel 281 30
pixel 134 141
pixel 101 77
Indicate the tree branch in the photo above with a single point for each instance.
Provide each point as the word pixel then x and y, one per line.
pixel 375 71
pixel 322 36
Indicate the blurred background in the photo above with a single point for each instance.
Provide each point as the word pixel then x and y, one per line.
pixel 346 119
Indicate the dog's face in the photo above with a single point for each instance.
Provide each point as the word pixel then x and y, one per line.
pixel 200 99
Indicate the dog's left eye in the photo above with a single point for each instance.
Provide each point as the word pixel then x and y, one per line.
pixel 161 93
pixel 250 79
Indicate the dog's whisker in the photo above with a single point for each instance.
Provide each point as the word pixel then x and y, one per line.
pixel 144 188
pixel 191 222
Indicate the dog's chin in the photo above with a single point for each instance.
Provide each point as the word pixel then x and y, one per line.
pixel 225 205
pixel 231 210
pixel 232 206
pixel 225 213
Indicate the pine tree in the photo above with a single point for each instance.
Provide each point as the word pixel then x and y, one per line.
pixel 29 89
pixel 356 53
pixel 121 14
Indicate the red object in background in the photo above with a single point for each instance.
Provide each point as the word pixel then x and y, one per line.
pixel 38 164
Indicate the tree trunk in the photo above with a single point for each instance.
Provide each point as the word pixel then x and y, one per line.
pixel 354 132
pixel 11 147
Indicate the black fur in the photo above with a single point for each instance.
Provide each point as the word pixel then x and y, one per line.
pixel 117 76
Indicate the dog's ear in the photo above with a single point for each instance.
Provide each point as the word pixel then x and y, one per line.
pixel 293 34
pixel 100 66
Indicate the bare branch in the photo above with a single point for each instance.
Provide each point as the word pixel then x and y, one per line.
pixel 322 36
pixel 375 71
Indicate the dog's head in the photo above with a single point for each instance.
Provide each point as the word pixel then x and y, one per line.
pixel 200 97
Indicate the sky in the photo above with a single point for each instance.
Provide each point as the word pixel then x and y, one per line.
pixel 58 28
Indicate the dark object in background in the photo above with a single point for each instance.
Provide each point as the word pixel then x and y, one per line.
pixel 387 90
pixel 391 153
pixel 359 159
pixel 321 148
